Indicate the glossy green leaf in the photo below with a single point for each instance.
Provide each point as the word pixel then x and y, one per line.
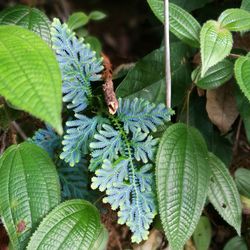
pixel 203 234
pixel 242 177
pixel 236 243
pixel 182 179
pixel 29 18
pixel 147 79
pixel 97 15
pixel 243 105
pixel 223 193
pixel 77 20
pixel 182 24
pixel 29 190
pixel 235 19
pixel 74 225
pixel 216 44
pixel 216 75
pixel 30 77
pixel 242 74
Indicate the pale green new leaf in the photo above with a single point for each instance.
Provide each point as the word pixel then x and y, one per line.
pixel 74 225
pixel 29 74
pixel 223 193
pixel 97 15
pixel 29 18
pixel 182 175
pixel 242 74
pixel 235 19
pixel 29 190
pixel 216 44
pixel 182 24
pixel 77 20
pixel 203 234
pixel 216 75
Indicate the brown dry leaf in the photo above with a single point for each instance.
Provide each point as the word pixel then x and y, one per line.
pixel 189 245
pixel 153 242
pixel 221 107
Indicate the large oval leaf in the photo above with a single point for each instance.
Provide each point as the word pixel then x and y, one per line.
pixel 74 225
pixel 29 190
pixel 216 44
pixel 29 18
pixel 29 74
pixel 242 177
pixel 147 79
pixel 182 174
pixel 242 74
pixel 235 19
pixel 216 75
pixel 223 193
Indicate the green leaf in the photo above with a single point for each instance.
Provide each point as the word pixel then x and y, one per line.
pixel 216 75
pixel 77 20
pixel 190 5
pixel 216 44
pixel 243 106
pixel 29 190
pixel 242 74
pixel 74 225
pixel 97 15
pixel 242 177
pixel 182 24
pixel 203 234
pixel 182 176
pixel 237 242
pixel 29 18
pixel 245 5
pixel 29 74
pixel 235 19
pixel 223 193
pixel 147 79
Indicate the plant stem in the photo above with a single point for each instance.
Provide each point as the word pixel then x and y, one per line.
pixel 167 54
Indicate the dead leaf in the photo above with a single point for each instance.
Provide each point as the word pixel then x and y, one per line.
pixel 221 107
pixel 189 245
pixel 153 242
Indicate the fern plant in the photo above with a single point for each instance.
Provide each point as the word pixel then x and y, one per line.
pixel 121 146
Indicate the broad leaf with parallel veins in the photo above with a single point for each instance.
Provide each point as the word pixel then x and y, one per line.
pixel 216 44
pixel 182 175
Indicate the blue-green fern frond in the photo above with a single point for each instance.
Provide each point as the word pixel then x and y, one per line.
pixel 79 134
pixel 144 146
pixel 110 175
pixel 47 139
pixel 107 144
pixel 141 114
pixel 136 204
pixel 78 63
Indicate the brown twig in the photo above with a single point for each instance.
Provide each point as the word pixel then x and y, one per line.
pixel 108 86
pixel 236 143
